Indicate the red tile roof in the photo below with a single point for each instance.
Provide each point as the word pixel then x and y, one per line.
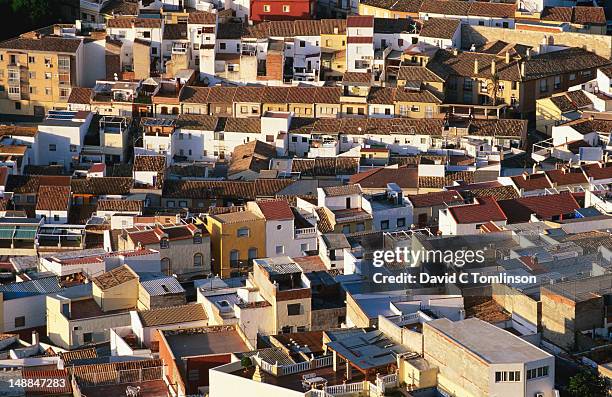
pixel 360 21
pixel 545 207
pixel 531 182
pixel 53 198
pixel 566 176
pixel 485 210
pixel 598 171
pixel 276 210
pixel 435 198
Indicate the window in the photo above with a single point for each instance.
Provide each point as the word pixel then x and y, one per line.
pixel 73 148
pixel 294 139
pixel 146 35
pixel 31 59
pixel 222 46
pixel 384 225
pixel 87 337
pixel 286 8
pixel 401 222
pixel 543 85
pixel 197 238
pixel 346 229
pixel 164 243
pixel 170 203
pixel 294 309
pixel 280 249
pixel 252 253
pixel 20 322
pixel 304 247
pixel 47 76
pixel 539 372
pixel 572 76
pixel 182 203
pixel 234 258
pixel 302 43
pixel 243 232
pixel 507 376
pixel 154 50
pixel 52 147
pixel 414 108
pixel 198 260
pixel 557 82
pixel 287 329
pixel 266 8
pixel 360 227
pixel 467 85
pixel 17 105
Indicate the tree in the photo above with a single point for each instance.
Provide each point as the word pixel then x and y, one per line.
pixel 493 88
pixel 587 383
pixel 36 10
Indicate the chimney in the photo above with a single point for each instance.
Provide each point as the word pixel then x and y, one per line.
pixel 528 53
pixel 522 69
pixel 525 174
pixel 455 52
pixel 475 66
pixel 507 57
pixel 493 68
pixel 35 338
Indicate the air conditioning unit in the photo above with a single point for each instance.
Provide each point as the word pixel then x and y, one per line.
pixel 539 395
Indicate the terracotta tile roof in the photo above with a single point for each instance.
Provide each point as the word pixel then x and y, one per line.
pixel 360 21
pixel 378 178
pixel 224 189
pixel 579 98
pixel 334 191
pixel 357 77
pixel 444 63
pixel 435 199
pixel 445 7
pixel 191 94
pixel 114 278
pixel 559 14
pixel 566 176
pixel 109 372
pixel 301 94
pixel 324 224
pixel 545 207
pixel 149 163
pixel 53 198
pixel 589 15
pixel 410 6
pixel 80 95
pixel 231 30
pixel 333 26
pixel 486 209
pixel 561 62
pixel 254 155
pixel 327 95
pixel 81 354
pixel 306 28
pixel 248 94
pixel 494 10
pixel 440 182
pixel 221 94
pixel 246 125
pixel 423 96
pixel 120 205
pixel 197 122
pixel 18 130
pixel 381 95
pixel 498 193
pixel 173 315
pixel 62 388
pixel 202 18
pixel 120 7
pixel 393 26
pixel 598 171
pixel 501 127
pixel 531 182
pixel 275 95
pixel 418 73
pixel 102 186
pixel 441 28
pixel 275 209
pixel 43 44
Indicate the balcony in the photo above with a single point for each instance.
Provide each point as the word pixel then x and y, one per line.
pixel 307 232
pixel 180 48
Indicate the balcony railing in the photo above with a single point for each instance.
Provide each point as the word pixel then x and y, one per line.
pixel 305 232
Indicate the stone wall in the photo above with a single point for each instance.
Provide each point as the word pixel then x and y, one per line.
pixel 601 45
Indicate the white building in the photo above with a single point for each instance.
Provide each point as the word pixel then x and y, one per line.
pixel 360 44
pixel 468 219
pixel 60 137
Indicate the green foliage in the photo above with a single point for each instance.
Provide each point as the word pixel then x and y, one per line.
pixel 245 362
pixel 35 10
pixel 586 383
